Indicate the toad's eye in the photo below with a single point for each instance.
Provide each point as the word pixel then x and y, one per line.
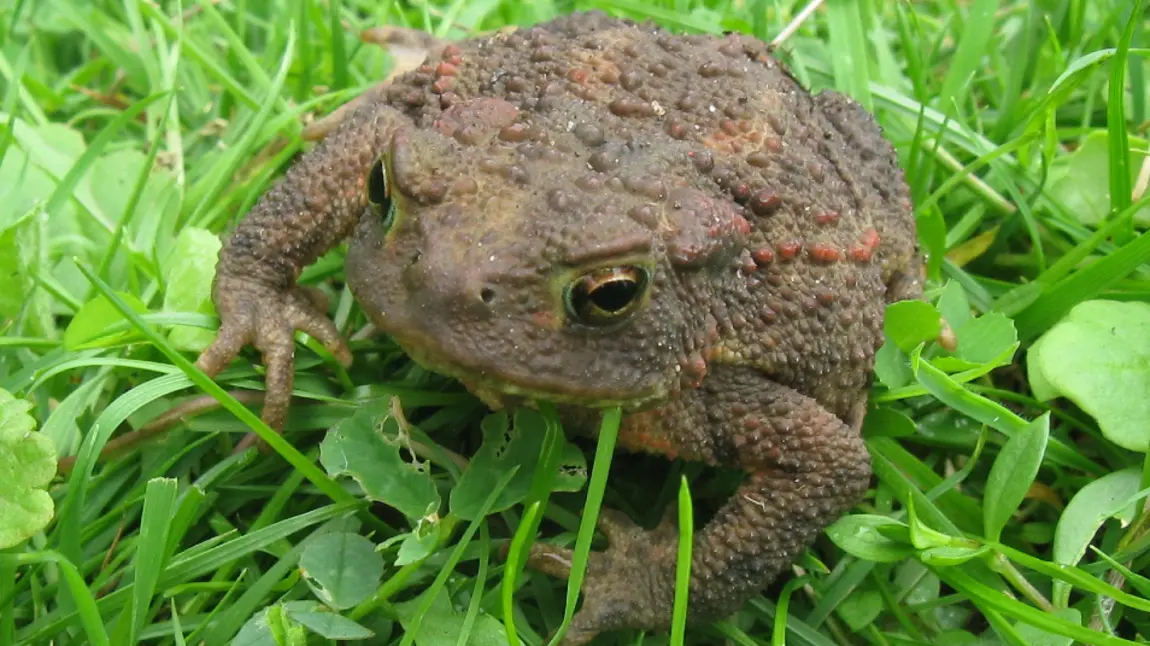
pixel 379 195
pixel 605 296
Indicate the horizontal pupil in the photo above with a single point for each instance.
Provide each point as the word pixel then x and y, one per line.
pixel 615 295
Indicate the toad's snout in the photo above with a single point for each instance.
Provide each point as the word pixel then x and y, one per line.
pixel 452 284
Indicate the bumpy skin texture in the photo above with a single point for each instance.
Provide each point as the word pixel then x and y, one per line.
pixel 771 228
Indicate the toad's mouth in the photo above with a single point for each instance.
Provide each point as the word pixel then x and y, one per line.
pixel 500 388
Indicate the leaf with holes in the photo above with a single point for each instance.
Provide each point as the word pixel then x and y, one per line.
pixel 506 447
pixel 371 447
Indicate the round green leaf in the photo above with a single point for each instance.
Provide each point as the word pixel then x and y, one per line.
pixel 1035 636
pixel 21 246
pixel 921 585
pixel 27 465
pixel 953 304
pixel 255 632
pixel 892 366
pixel 342 569
pixel 990 338
pixel 1099 358
pixel 418 545
pixel 957 638
pixel 861 608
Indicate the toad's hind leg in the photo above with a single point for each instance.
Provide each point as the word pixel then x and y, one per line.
pixel 409 48
pixel 805 467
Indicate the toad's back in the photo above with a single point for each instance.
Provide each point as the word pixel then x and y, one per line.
pixel 645 111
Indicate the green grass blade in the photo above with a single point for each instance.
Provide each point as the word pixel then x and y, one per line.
pixel 977 30
pixel 159 504
pixel 683 564
pixel 596 486
pixel 1119 139
pixel 849 50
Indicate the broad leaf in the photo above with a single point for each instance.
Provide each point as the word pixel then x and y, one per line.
pixel 342 569
pixel 27 466
pixel 1099 358
pixel 370 447
pixel 506 448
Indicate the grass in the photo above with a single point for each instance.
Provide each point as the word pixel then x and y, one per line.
pixel 1011 471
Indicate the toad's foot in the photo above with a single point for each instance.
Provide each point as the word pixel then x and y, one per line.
pixel 631 585
pixel 266 318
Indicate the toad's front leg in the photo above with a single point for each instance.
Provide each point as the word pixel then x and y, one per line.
pixel 805 466
pixel 307 213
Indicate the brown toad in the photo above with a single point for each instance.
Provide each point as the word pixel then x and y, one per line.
pixel 599 213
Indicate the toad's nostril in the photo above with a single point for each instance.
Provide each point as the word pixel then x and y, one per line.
pixel 487 295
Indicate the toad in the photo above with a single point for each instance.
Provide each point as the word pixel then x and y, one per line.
pixel 599 213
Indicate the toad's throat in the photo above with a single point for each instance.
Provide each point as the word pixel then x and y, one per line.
pixel 499 388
